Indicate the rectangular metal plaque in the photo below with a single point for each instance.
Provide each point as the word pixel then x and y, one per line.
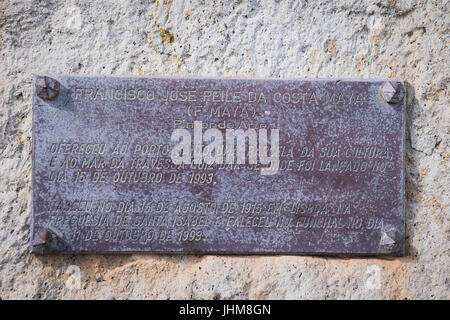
pixel 224 166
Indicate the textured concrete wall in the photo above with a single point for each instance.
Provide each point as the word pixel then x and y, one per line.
pixel 324 38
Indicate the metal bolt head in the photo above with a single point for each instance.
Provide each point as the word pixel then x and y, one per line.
pixel 42 237
pixel 45 240
pixel 392 92
pixel 47 88
pixel 388 238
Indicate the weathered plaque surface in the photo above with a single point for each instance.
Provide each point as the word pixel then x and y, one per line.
pixel 228 166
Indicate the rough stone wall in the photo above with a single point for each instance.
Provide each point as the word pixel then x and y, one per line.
pixel 281 39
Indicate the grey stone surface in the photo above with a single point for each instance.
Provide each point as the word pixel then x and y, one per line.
pixel 280 39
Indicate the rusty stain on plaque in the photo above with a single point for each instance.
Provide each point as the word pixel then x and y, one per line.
pixel 223 166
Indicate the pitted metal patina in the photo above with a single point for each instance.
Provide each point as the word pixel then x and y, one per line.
pixel 106 179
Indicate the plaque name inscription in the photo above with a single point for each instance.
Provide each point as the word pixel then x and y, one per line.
pixel 232 166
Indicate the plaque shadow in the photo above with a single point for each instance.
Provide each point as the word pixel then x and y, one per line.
pixel 411 166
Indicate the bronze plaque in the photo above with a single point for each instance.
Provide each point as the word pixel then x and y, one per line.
pixel 220 166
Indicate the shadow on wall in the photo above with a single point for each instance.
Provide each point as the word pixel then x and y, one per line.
pixel 411 186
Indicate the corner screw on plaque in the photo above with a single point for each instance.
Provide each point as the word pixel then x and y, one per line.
pixel 44 239
pixel 41 237
pixel 47 88
pixel 388 240
pixel 392 92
